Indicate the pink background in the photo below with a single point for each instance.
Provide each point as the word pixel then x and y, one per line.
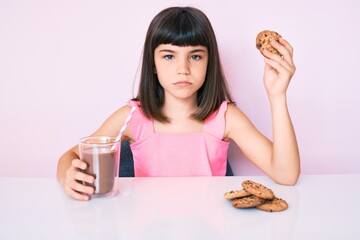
pixel 66 65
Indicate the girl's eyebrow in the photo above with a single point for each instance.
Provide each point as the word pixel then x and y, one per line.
pixel 192 51
pixel 166 50
pixel 198 50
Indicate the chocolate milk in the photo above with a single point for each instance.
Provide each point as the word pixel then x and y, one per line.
pixel 102 164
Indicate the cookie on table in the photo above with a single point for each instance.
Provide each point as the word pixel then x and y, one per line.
pixel 258 190
pixel 236 194
pixel 275 205
pixel 247 202
pixel 263 40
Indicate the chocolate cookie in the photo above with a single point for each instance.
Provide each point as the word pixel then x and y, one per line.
pixel 275 205
pixel 247 202
pixel 258 190
pixel 263 40
pixel 236 194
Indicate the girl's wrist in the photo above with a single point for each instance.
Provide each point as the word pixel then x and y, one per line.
pixel 278 100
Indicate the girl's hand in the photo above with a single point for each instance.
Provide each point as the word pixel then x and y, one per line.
pixel 73 184
pixel 278 70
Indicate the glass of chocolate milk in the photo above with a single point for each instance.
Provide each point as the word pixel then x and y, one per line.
pixel 101 154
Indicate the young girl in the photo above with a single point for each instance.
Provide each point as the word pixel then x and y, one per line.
pixel 184 115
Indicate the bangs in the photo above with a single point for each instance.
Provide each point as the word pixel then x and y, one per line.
pixel 181 29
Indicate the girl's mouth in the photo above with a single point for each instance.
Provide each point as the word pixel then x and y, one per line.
pixel 182 83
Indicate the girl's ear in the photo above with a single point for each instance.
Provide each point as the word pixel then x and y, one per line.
pixel 155 72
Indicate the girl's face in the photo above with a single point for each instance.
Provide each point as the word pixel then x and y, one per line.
pixel 181 70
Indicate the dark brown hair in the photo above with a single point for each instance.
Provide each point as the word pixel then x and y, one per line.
pixel 181 26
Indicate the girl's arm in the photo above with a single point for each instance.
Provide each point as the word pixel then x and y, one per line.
pixel 70 168
pixel 277 75
pixel 280 158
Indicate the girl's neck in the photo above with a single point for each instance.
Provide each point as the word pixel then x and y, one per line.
pixel 179 108
pixel 179 112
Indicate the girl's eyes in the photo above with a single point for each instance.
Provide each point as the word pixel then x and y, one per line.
pixel 168 57
pixel 193 57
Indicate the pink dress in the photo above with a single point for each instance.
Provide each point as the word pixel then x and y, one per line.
pixel 179 154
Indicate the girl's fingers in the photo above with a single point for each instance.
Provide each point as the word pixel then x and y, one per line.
pixel 74 173
pixel 280 61
pixel 287 45
pixel 80 176
pixel 76 195
pixel 81 188
pixel 285 49
pixel 275 65
pixel 75 178
pixel 280 68
pixel 76 189
pixel 77 163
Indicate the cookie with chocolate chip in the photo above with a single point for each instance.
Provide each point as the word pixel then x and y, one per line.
pixel 247 202
pixel 275 205
pixel 263 40
pixel 236 194
pixel 258 190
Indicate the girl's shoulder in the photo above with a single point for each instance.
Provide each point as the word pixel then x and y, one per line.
pixel 236 121
pixel 122 112
pixel 119 116
pixel 233 111
pixel 114 122
pixel 119 119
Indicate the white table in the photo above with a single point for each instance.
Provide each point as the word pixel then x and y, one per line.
pixel 320 207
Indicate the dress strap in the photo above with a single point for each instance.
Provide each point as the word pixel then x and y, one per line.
pixel 140 126
pixel 215 124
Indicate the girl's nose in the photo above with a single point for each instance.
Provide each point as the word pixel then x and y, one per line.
pixel 183 67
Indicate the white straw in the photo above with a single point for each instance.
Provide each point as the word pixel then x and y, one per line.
pixel 118 138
